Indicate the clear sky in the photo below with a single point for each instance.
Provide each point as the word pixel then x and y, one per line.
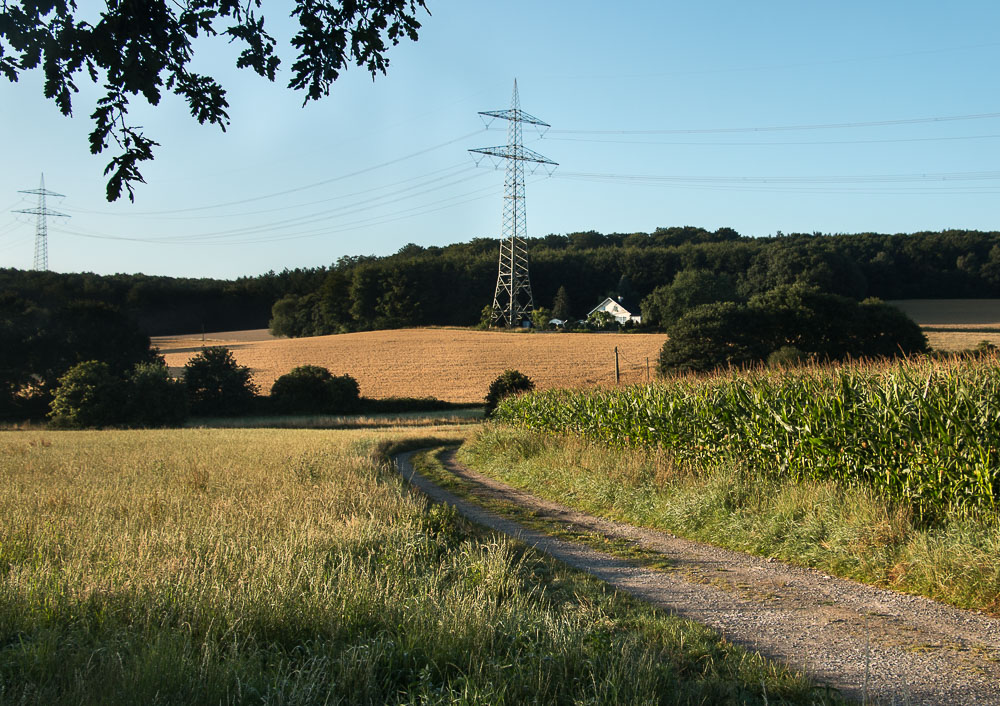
pixel 659 114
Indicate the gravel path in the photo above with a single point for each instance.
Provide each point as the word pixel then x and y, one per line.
pixel 873 645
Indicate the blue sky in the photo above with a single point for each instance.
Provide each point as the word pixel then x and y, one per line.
pixel 658 114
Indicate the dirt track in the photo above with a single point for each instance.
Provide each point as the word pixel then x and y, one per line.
pixel 871 644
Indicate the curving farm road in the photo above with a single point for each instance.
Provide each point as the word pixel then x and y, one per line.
pixel 874 645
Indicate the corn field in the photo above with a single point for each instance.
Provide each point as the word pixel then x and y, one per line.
pixel 919 431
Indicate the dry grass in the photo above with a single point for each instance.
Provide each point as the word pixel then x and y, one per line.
pixel 207 566
pixel 456 365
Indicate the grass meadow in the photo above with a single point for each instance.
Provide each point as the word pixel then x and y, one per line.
pixel 282 566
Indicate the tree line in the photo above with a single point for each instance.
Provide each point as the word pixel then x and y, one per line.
pixel 450 285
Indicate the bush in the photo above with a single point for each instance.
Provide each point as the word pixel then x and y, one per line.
pixel 510 382
pixel 786 357
pixel 154 398
pixel 713 336
pixel 823 326
pixel 217 385
pixel 310 389
pixel 88 395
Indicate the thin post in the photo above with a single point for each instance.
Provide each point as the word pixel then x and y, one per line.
pixel 618 375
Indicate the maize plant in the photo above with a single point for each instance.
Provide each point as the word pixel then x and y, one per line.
pixel 919 431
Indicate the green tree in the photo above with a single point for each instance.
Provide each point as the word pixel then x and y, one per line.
pixel 690 288
pixel 485 318
pixel 311 389
pixel 285 319
pixel 88 395
pixel 884 331
pixel 509 382
pixel 561 307
pixel 145 48
pixel 23 348
pixel 540 318
pixel 713 336
pixel 601 320
pixel 154 398
pixel 217 385
pixel 787 322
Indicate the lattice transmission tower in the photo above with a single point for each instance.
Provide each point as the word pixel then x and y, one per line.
pixel 512 302
pixel 41 223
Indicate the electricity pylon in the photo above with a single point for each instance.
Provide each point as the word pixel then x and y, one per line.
pixel 41 223
pixel 512 302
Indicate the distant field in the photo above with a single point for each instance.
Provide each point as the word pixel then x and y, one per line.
pixel 451 364
pixel 457 364
pixel 955 324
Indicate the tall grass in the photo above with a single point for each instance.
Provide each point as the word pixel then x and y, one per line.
pixel 292 567
pixel 921 432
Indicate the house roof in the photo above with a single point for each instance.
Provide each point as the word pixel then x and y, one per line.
pixel 628 306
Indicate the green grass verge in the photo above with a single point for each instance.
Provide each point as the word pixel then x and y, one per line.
pixel 296 567
pixel 844 531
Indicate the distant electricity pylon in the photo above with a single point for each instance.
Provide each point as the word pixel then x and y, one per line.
pixel 512 302
pixel 41 223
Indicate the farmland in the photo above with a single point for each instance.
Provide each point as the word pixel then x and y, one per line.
pixel 955 324
pixel 456 365
pixel 883 472
pixel 918 432
pixel 295 566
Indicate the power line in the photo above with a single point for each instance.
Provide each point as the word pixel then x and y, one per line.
pixel 304 187
pixel 458 168
pixel 412 212
pixel 767 144
pixel 783 128
pixel 836 179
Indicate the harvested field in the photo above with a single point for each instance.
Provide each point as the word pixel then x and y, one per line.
pixel 451 364
pixel 955 324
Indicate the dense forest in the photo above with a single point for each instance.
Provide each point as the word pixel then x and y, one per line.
pixel 450 285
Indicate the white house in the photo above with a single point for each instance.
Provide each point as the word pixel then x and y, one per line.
pixel 617 308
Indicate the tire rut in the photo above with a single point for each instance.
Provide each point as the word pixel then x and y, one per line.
pixel 871 644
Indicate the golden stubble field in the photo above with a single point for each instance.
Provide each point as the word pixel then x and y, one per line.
pixel 955 324
pixel 451 364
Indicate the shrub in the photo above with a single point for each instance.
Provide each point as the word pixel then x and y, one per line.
pixel 510 382
pixel 311 389
pixel 602 321
pixel 823 326
pixel 713 336
pixel 88 395
pixel 786 357
pixel 540 318
pixel 154 398
pixel 217 385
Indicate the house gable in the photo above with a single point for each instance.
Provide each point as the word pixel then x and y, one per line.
pixel 617 309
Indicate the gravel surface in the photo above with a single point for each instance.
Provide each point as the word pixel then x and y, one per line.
pixel 872 644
